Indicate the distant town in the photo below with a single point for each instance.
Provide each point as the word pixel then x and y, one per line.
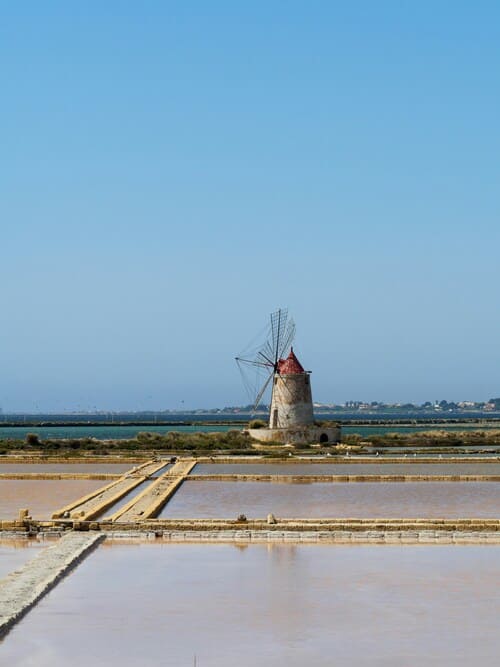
pixel 493 405
pixel 349 407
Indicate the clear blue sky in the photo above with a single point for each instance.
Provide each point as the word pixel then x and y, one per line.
pixel 171 172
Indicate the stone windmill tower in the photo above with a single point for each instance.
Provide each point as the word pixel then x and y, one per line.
pixel 291 401
pixel 291 417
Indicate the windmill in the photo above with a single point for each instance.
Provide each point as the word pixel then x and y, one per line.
pixel 259 362
pixel 271 357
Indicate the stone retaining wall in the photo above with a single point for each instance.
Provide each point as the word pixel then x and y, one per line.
pixel 334 537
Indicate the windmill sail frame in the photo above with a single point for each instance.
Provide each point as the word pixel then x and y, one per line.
pixel 262 362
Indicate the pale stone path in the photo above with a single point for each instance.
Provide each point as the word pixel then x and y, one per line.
pixel 22 589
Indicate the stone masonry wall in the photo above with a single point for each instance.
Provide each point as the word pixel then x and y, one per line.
pixel 291 403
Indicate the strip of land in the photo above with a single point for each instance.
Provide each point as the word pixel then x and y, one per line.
pixel 342 478
pixel 372 536
pixel 22 589
pixel 54 476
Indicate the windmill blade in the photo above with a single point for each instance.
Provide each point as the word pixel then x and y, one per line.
pixel 253 376
pixel 251 362
pixel 278 325
pixel 262 391
pixel 267 352
pixel 255 344
pixel 257 365
pixel 247 383
pixel 288 336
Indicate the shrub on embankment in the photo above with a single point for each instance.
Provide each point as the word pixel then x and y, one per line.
pixel 238 442
pixel 198 442
pixel 433 438
pixel 257 423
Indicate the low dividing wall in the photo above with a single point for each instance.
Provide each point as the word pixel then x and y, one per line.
pixel 43 458
pixel 328 537
pixel 22 589
pixel 51 476
pixel 287 479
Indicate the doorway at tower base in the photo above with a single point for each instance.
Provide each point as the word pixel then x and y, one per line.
pixel 297 435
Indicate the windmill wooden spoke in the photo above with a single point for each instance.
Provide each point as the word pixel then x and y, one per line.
pixel 258 368
pixel 262 392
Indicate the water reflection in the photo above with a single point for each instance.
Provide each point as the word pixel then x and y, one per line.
pixel 367 499
pixel 65 467
pixel 272 605
pixel 14 552
pixel 41 497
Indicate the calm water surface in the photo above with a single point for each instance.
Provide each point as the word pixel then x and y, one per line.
pixel 67 467
pixel 269 605
pixel 14 552
pixel 362 499
pixel 41 497
pixel 347 469
pixel 102 432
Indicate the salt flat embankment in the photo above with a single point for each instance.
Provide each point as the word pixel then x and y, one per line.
pixel 22 589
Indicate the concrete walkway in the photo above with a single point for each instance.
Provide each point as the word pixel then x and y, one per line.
pixel 22 589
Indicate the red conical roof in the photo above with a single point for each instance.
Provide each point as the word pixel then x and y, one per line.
pixel 291 365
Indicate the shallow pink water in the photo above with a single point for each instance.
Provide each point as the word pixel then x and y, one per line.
pixel 268 605
pixel 42 497
pixel 14 552
pixel 66 467
pixel 356 499
pixel 469 468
